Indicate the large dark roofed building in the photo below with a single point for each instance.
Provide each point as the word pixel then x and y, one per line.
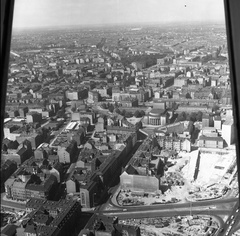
pixel 9 230
pixel 51 218
pixel 106 226
pixel 7 170
pixel 30 181
pixel 41 230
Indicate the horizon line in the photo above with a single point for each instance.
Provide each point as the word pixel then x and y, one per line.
pixel 118 24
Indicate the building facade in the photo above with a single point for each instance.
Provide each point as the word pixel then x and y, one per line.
pixel 210 142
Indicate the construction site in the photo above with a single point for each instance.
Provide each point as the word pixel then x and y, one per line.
pixel 194 176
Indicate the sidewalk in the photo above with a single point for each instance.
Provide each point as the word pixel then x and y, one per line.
pixel 4 198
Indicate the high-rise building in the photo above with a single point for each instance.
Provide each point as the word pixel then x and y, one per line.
pixel 228 131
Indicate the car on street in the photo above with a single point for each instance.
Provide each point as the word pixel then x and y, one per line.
pixel 232 223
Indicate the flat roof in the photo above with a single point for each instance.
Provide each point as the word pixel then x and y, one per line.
pixel 228 122
pixel 6 120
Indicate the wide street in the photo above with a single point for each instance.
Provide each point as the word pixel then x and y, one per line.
pixel 11 204
pixel 212 205
pixel 223 210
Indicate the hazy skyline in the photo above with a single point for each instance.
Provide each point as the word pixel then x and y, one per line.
pixel 48 13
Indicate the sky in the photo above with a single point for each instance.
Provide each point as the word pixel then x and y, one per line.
pixel 48 13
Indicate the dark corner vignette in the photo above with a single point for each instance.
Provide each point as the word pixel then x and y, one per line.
pixel 7 8
pixel 105 207
pixel 233 37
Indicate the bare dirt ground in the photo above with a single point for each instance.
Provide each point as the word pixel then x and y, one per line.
pixel 213 176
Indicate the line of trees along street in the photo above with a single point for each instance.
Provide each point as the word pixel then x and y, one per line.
pixel 194 116
pixel 150 60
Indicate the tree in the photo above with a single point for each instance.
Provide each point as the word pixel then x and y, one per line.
pixel 117 110
pixel 193 116
pixel 45 102
pixel 128 114
pixel 213 90
pixel 191 128
pixel 123 113
pixel 194 134
pixel 142 113
pixel 199 116
pixel 181 117
pixel 174 105
pixel 160 168
pixel 137 113
pixel 188 117
pixel 61 113
pixel 111 108
pixel 103 75
pixel 188 96
pixel 215 107
pixel 115 104
pixel 104 105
